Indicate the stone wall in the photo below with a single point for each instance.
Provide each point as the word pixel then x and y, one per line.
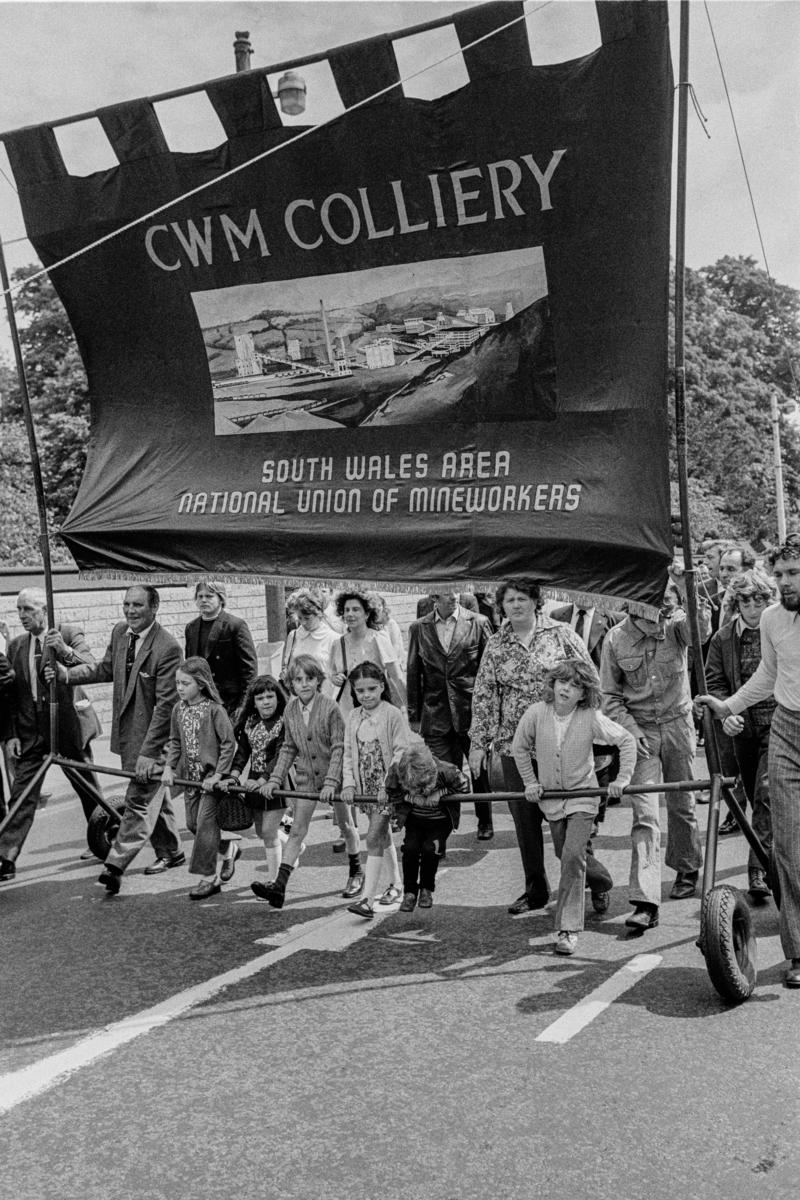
pixel 96 612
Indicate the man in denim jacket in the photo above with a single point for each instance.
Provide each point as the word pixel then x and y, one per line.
pixel 645 684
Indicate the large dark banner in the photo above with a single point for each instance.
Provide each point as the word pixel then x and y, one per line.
pixel 426 341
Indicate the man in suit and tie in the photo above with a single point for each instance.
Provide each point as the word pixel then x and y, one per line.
pixel 444 651
pixel 27 734
pixel 140 661
pixel 590 624
pixel 6 684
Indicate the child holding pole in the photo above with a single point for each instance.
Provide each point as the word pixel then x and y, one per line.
pixel 556 734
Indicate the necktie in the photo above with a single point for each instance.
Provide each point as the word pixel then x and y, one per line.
pixel 130 655
pixel 36 680
pixel 580 624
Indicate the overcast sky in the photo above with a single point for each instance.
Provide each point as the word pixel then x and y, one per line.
pixel 61 59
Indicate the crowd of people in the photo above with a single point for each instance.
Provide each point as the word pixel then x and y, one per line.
pixel 492 688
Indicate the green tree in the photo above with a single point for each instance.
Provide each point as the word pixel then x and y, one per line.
pixel 739 333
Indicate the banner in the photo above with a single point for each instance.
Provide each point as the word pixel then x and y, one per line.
pixel 427 341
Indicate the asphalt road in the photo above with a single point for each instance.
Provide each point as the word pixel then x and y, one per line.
pixel 157 1048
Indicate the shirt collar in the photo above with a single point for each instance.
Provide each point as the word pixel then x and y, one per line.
pixel 456 613
pixel 141 636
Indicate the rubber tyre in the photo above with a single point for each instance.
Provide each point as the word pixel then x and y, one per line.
pixel 773 881
pixel 730 943
pixel 101 831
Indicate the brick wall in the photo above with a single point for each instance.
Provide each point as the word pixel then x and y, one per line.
pixel 96 612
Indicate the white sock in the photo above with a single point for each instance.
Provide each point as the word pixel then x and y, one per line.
pixel 273 856
pixel 372 873
pixel 390 858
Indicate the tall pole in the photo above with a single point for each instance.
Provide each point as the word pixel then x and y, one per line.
pixel 681 443
pixel 36 467
pixel 776 451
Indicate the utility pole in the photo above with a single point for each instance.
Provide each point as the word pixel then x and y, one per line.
pixel 778 460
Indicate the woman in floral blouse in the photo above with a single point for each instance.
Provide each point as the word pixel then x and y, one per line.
pixel 510 678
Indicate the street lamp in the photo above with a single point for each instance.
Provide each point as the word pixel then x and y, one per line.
pixel 291 93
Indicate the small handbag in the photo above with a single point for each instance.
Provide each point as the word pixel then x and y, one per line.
pixel 232 812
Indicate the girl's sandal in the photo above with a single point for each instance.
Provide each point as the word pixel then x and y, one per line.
pixel 392 894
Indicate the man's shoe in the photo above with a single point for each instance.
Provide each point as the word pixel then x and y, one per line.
pixel 566 942
pixel 355 886
pixel 644 916
pixel 792 977
pixel 165 864
pixel 111 880
pixel 728 826
pixel 601 901
pixel 8 869
pixel 520 905
pixel 362 909
pixel 757 885
pixel 685 885
pixel 485 833
pixel 205 889
pixel 229 866
pixel 409 903
pixel 425 898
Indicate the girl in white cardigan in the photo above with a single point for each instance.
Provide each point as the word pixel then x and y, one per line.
pixel 553 750
pixel 376 734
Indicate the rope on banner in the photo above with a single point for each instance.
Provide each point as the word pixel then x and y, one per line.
pixel 304 133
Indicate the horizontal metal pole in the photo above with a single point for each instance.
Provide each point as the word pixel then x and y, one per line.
pixel 686 785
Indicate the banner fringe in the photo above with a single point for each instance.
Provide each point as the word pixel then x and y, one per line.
pixel 417 587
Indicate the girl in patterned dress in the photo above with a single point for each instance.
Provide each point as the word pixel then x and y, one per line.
pixel 202 741
pixel 375 736
pixel 259 733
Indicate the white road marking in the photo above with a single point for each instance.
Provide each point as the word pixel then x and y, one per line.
pixel 327 933
pixel 411 935
pixel 464 963
pixel 578 1017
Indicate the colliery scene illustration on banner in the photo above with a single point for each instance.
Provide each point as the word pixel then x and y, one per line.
pixel 448 339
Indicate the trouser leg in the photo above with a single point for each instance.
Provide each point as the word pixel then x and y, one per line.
pixel 645 874
pixel 13 836
pixel 570 835
pixel 206 841
pixel 752 756
pixel 527 819
pixel 147 814
pixel 784 790
pixel 433 842
pixel 411 853
pixel 684 846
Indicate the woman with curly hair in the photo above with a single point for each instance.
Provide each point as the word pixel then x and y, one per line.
pixel 313 634
pixel 362 641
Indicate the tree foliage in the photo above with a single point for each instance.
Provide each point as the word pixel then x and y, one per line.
pixel 741 331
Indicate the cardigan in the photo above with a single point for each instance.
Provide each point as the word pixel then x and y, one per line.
pixel 570 766
pixel 393 734
pixel 316 750
pixel 216 741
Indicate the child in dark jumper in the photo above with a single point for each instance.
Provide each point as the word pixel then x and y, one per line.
pixel 421 789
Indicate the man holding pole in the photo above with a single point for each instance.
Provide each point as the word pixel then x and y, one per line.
pixel 778 673
pixel 645 687
pixel 27 736
pixel 141 661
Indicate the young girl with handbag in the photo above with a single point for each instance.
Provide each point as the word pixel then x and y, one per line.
pixel 259 739
pixel 202 741
pixel 376 733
